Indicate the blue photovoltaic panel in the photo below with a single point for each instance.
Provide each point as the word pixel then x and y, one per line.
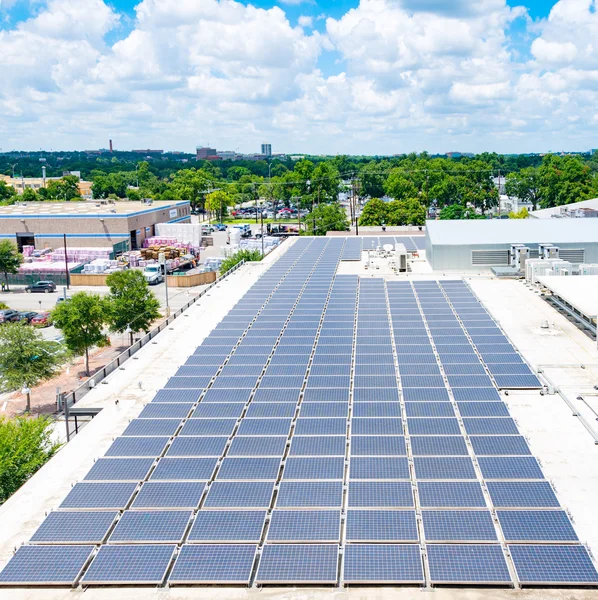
pixel 485 426
pixel 171 494
pixel 330 445
pixel 452 445
pixel 81 527
pixel 176 396
pixel 306 426
pixel 522 494
pixel 469 381
pixel 259 410
pixel 99 495
pixel 375 395
pixel 314 468
pixel 483 409
pixel 467 563
pixel 228 526
pixel 536 526
pixel 425 395
pixel 305 526
pixel 184 469
pixel 137 446
pixel 245 383
pixel 218 410
pixel 379 468
pixel 429 409
pixel 378 445
pixel 142 564
pixel 151 526
pixel 458 526
pixel 196 383
pixel 517 368
pixel 377 409
pixel 239 494
pixel 197 446
pixel 119 469
pixel 381 526
pixel 249 468
pixel 217 564
pixel 58 565
pixel 230 395
pixel 553 565
pixel 325 409
pixel 430 426
pixel 488 394
pixel 219 427
pixel 517 381
pixel 377 426
pixel 284 395
pixel 310 494
pixel 444 468
pixel 380 494
pixel 298 563
pixel 264 427
pixel 499 467
pixel 422 381
pixel 258 446
pixel 497 445
pixel 147 427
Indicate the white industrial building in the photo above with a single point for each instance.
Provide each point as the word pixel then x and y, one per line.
pixel 473 244
pixel 577 210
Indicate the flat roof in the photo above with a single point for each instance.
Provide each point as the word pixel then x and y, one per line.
pixel 512 231
pixel 557 211
pixel 37 210
pixel 580 292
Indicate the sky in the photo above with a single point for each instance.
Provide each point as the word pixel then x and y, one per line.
pixel 308 76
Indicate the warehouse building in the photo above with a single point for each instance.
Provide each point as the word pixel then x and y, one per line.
pixel 119 225
pixel 475 244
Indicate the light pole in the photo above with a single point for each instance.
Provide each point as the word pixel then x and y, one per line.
pixel 262 217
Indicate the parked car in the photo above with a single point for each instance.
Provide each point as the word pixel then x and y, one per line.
pixel 42 319
pixel 26 315
pixel 9 315
pixel 207 229
pixel 62 299
pixel 44 287
pixel 220 227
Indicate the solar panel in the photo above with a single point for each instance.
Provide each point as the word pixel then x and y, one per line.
pixel 517 381
pixel 499 467
pixel 259 410
pixel 381 526
pixel 467 563
pixel 429 409
pixel 522 494
pixel 377 409
pixel 298 563
pixel 119 469
pixel 176 396
pixel 209 427
pixel 458 525
pixel 239 494
pixel 431 426
pixel 425 395
pixel 548 565
pixel 483 409
pixel 213 564
pixel 378 446
pixel 330 426
pixel 536 526
pixel 54 565
pixel 310 494
pixel 218 410
pixel 255 427
pixel 376 395
pixel 137 446
pixel 197 446
pixel 140 564
pixel 488 394
pixel 329 445
pixel 196 383
pixel 443 468
pixel 438 446
pixel 155 526
pixel 249 468
pixel 258 446
pixel 493 445
pixel 314 468
pixel 280 395
pixel 184 469
pixel 171 494
pixel 227 395
pixel 81 527
pixel 379 468
pixel 147 427
pixel 237 526
pixel 305 526
pixel 99 496
pixel 377 426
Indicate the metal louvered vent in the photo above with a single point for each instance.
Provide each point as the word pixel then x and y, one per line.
pixel 490 258
pixel 573 255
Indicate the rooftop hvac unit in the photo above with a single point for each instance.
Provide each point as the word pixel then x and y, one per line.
pixel 563 272
pixel 538 268
pixel 548 251
pixel 588 269
pixel 401 257
pixel 563 266
pixel 518 256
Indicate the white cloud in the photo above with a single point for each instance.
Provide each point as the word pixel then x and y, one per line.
pixel 410 75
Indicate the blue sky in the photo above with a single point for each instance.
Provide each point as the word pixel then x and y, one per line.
pixel 329 76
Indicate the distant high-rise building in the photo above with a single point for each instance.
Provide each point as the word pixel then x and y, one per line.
pixel 204 152
pixel 267 149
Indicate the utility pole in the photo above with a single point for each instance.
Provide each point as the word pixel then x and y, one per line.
pixel 66 264
pixel 262 217
pixel 354 183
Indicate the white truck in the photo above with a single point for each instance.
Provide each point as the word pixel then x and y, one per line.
pixel 153 274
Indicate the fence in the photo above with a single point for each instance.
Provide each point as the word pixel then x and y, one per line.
pixel 72 397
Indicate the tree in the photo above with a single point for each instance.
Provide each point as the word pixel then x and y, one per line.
pixel 218 200
pixel 81 320
pixel 193 185
pixel 245 254
pixel 6 192
pixel 133 195
pixel 25 446
pixel 524 185
pixel 457 211
pixel 327 217
pixel 132 306
pixel 372 178
pixel 399 187
pixel 66 188
pixel 564 180
pixel 26 358
pixel 406 212
pixel 10 259
pixel 374 213
pixel 521 214
pixel 29 195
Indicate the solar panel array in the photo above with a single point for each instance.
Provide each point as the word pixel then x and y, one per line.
pixel 329 430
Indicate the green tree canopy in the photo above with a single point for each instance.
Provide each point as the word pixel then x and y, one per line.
pixel 374 213
pixel 6 192
pixel 405 212
pixel 26 358
pixel 524 185
pixel 10 259
pixel 25 446
pixel 399 187
pixel 457 211
pixel 81 320
pixel 327 217
pixel 132 306
pixel 66 188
